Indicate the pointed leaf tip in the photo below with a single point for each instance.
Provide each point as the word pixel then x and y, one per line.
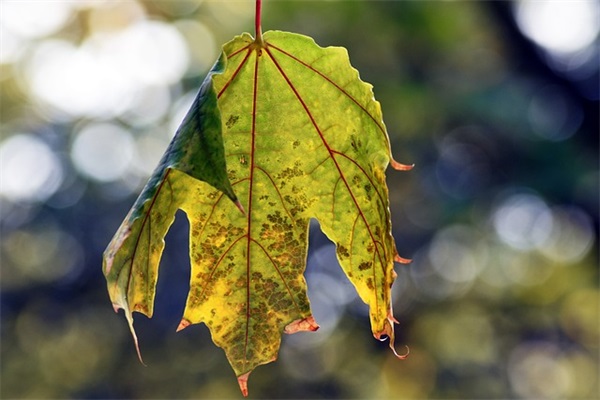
pixel 305 324
pixel 402 260
pixel 401 167
pixel 243 382
pixel 129 317
pixel 183 324
pixel 240 207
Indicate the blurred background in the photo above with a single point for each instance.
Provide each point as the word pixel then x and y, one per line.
pixel 496 103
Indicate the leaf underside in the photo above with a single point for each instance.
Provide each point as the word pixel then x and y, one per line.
pixel 288 132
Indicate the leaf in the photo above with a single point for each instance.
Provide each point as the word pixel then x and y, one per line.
pixel 303 138
pixel 132 257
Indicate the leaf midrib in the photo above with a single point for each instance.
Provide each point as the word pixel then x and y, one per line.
pixel 332 155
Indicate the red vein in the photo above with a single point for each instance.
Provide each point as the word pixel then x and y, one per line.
pixel 378 123
pixel 236 71
pixel 279 272
pixel 378 243
pixel 137 241
pixel 317 166
pixel 214 206
pixel 218 263
pixel 365 173
pixel 331 154
pixel 235 53
pixel 212 210
pixel 352 237
pixel 215 267
pixel 278 193
pixel 250 189
pixel 333 199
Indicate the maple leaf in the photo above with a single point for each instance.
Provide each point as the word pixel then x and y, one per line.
pixel 290 127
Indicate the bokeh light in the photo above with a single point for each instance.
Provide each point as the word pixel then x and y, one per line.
pixel 34 19
pixel 161 54
pixel 571 237
pixel 103 151
pixel 552 116
pixel 30 170
pixel 201 44
pixel 41 255
pixel 562 26
pixel 566 32
pixel 78 81
pixel 102 77
pixel 454 256
pixel 536 371
pixel 523 221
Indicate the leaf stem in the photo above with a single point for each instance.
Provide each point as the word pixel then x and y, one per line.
pixel 257 26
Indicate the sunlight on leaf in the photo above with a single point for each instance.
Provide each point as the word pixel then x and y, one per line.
pixel 302 137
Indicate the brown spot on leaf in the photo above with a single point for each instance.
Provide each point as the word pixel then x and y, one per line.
pixel 143 308
pixel 232 121
pixel 368 188
pixel 370 247
pixel 342 252
pixel 363 266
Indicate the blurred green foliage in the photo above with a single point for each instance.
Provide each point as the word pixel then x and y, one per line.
pixel 500 214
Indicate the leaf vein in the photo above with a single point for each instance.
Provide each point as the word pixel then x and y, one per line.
pixel 330 150
pixel 137 241
pixel 217 264
pixel 278 193
pixel 341 89
pixel 364 173
pixel 250 193
pixel 234 75
pixel 278 272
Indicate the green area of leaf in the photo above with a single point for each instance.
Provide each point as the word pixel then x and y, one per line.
pixel 290 127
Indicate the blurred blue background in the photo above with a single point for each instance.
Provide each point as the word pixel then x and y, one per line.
pixel 496 103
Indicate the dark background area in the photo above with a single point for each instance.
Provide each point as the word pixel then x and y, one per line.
pixel 500 214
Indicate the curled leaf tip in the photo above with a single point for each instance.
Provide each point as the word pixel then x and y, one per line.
pixel 388 333
pixel 116 307
pixel 183 324
pixel 401 167
pixel 402 260
pixel 243 382
pixel 402 356
pixel 305 324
